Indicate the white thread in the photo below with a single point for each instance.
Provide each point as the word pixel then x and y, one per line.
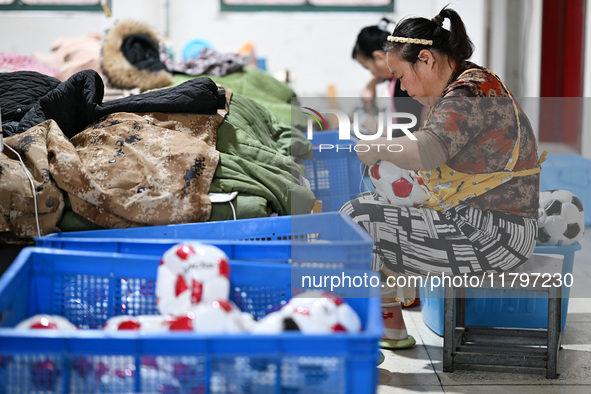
pixel 32 188
pixel 362 180
pixel 362 168
pixel 233 210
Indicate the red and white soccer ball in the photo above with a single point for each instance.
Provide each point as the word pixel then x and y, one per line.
pixel 311 312
pixel 189 274
pixel 216 317
pixel 46 322
pixel 398 186
pixel 137 323
pixel 45 374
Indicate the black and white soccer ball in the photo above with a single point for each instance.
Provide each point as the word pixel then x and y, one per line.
pixel 561 220
pixel 311 312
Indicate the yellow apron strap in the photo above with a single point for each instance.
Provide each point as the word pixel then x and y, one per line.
pixel 529 171
pixel 543 157
pixel 450 187
pixel 537 169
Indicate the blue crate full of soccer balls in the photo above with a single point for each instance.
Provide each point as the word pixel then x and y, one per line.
pixel 324 238
pixel 89 288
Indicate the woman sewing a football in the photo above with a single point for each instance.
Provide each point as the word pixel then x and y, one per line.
pixel 475 154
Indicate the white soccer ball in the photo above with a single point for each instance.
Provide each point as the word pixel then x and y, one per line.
pixel 216 317
pixel 47 322
pixel 191 273
pixel 561 220
pixel 396 185
pixel 219 316
pixel 137 323
pixel 311 312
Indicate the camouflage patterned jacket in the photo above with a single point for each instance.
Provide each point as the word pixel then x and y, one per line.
pixel 135 167
pixel 124 170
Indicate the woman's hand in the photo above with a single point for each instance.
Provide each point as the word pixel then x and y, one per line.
pixel 368 93
pixel 402 151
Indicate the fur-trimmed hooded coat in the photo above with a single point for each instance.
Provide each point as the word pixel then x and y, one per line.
pixel 130 57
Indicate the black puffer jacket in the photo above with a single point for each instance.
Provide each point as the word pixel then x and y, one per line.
pixel 19 92
pixel 77 102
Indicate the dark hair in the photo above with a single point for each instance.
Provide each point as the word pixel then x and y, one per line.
pixel 454 42
pixel 371 38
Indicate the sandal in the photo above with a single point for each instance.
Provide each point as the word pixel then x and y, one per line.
pixel 393 344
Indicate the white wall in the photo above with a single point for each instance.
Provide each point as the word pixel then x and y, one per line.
pixel 529 54
pixel 314 47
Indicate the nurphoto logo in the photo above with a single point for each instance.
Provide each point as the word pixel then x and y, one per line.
pixel 384 129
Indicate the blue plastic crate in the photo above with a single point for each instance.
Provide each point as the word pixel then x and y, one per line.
pixel 569 172
pixel 326 238
pixel 520 309
pixel 88 288
pixel 335 174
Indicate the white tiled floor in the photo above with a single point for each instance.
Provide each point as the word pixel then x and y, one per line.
pixel 420 369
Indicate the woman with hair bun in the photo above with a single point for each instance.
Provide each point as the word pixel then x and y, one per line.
pixel 369 53
pixel 475 155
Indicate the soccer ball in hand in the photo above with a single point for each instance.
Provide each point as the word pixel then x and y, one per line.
pixel 191 273
pixel 561 220
pixel 396 185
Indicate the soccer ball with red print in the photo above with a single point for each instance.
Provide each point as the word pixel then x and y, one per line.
pixel 311 312
pixel 396 185
pixel 216 317
pixel 45 373
pixel 46 322
pixel 189 274
pixel 137 323
pixel 561 220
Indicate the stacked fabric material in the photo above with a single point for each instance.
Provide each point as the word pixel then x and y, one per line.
pixel 274 95
pixel 257 160
pixel 147 159
pixel 150 158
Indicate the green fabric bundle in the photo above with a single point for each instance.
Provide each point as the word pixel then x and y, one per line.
pixel 257 151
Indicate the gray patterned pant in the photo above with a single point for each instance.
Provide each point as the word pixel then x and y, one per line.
pixel 421 241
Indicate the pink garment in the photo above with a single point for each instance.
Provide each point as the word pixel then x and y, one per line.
pixel 12 62
pixel 71 55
